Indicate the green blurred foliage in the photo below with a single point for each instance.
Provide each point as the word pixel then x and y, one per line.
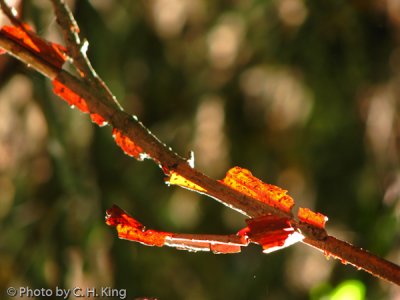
pixel 302 93
pixel 348 289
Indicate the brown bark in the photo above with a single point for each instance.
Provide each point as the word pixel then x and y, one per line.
pixel 101 102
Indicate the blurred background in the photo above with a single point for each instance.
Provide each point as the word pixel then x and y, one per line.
pixel 305 94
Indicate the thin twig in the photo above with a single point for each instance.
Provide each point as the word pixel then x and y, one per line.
pixel 77 48
pixel 11 14
pixel 166 158
pixel 135 130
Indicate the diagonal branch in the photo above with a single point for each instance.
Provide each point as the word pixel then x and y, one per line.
pixel 97 97
pixel 357 257
pixel 77 49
